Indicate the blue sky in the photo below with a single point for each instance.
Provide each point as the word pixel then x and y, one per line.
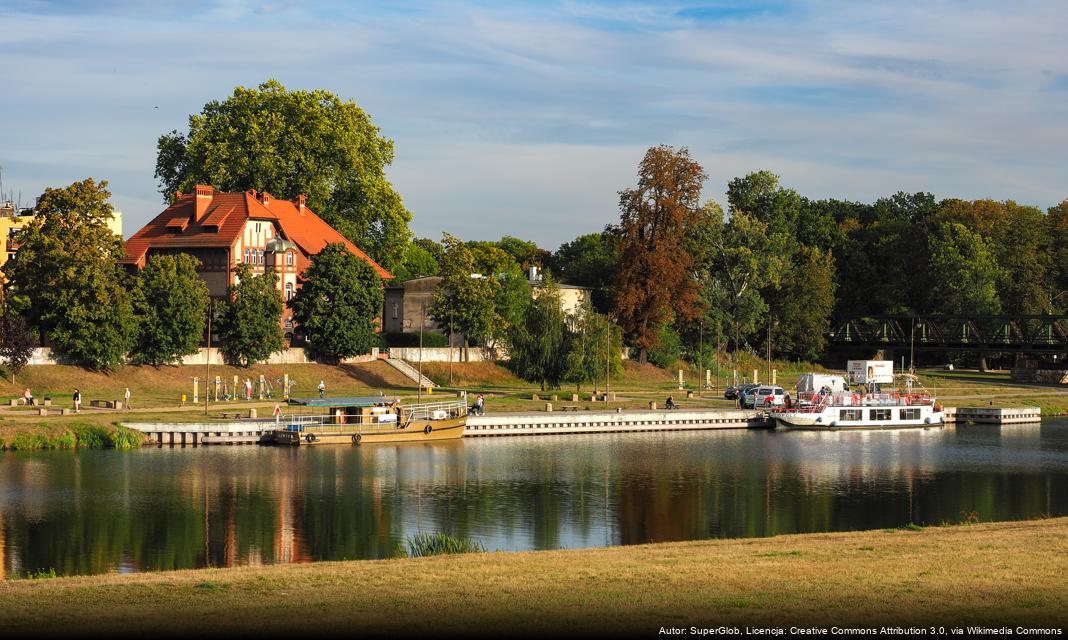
pixel 527 118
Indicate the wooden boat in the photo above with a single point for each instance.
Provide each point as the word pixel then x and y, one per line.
pixel 369 420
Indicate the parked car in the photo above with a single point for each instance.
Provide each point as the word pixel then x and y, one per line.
pixel 764 396
pixel 745 395
pixel 731 393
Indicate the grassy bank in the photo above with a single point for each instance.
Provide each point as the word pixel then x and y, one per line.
pixel 71 434
pixel 990 574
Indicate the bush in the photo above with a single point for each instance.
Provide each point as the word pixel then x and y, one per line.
pixel 436 544
pixel 431 339
pixel 668 350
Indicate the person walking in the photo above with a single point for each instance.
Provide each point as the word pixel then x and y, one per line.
pixel 77 401
pixel 248 389
pixel 126 399
pixel 322 388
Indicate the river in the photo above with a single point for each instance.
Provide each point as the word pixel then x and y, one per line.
pixel 86 512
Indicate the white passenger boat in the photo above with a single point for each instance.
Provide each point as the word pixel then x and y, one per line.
pixel 852 409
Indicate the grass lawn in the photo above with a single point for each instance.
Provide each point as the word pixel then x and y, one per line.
pixel 1003 574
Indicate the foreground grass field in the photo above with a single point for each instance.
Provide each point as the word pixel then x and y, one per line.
pixel 989 574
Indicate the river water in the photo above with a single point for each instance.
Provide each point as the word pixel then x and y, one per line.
pixel 84 512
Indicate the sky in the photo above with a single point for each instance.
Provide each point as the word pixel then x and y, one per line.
pixel 526 119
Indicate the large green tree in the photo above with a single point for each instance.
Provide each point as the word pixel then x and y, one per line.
pixel 964 272
pixel 654 282
pixel 1058 276
pixel 537 345
pixel 251 321
pixel 289 143
pixel 589 260
pixel 172 308
pixel 66 279
pixel 465 299
pixel 339 298
pixel 593 347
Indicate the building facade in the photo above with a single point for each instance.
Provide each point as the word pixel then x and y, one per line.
pixel 13 220
pixel 223 230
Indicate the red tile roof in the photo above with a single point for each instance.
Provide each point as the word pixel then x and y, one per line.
pixel 223 219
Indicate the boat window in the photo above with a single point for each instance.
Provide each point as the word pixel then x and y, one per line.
pixel 910 414
pixel 880 414
pixel 851 414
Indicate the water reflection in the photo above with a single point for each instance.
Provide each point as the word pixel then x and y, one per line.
pixel 99 511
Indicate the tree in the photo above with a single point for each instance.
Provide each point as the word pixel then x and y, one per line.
pixel 1058 276
pixel 526 253
pixel 801 316
pixel 511 300
pixel 653 283
pixel 965 272
pixel 589 260
pixel 250 323
pixel 418 262
pixel 339 298
pixel 18 343
pixel 461 301
pixel 171 306
pixel 66 279
pixel 593 347
pixel 537 345
pixel 291 143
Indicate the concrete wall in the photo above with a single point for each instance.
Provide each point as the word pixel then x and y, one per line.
pixel 441 354
pixel 294 355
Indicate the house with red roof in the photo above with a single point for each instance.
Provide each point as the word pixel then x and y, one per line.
pixel 223 230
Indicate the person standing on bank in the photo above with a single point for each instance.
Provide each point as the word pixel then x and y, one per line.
pixel 126 399
pixel 322 388
pixel 77 401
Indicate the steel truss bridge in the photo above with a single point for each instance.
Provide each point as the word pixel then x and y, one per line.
pixel 1020 334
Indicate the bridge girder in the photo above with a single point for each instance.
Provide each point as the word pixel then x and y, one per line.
pixel 985 333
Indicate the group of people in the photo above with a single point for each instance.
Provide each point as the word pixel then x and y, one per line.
pixel 479 408
pixel 27 397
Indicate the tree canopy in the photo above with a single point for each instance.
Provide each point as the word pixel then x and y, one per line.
pixel 290 143
pixel 66 280
pixel 250 320
pixel 339 298
pixel 172 309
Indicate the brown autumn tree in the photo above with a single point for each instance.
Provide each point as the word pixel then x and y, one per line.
pixel 654 283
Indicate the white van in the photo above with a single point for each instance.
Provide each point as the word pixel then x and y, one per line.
pixel 768 397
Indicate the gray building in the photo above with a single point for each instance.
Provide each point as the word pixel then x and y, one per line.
pixel 407 306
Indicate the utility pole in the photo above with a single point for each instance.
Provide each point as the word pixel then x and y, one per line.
pixel 607 361
pixel 422 321
pixel 450 344
pixel 912 347
pixel 769 348
pixel 701 360
pixel 207 360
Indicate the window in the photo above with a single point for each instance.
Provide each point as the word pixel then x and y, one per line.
pixel 259 257
pixel 880 414
pixel 396 308
pixel 248 256
pixel 910 414
pixel 290 258
pixel 851 414
pixel 289 291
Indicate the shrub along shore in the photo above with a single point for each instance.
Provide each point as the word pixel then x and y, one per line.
pixel 998 574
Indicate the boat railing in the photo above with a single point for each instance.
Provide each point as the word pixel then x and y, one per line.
pixel 383 418
pixel 817 402
pixel 436 410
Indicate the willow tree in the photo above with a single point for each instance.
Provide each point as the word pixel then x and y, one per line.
pixel 654 283
pixel 290 143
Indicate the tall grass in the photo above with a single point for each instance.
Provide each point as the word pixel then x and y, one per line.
pixel 435 544
pixel 79 436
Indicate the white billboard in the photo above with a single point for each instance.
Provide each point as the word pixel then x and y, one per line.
pixel 865 371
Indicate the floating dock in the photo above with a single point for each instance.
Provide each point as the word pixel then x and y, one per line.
pixel 255 431
pixel 993 415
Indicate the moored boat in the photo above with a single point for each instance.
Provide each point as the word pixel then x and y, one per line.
pixel 835 406
pixel 370 420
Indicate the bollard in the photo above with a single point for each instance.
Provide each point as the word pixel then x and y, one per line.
pixel 252 414
pixel 689 394
pixel 555 398
pixel 42 411
pixel 652 404
pixel 64 411
pixel 548 406
pixel 774 376
pixel 574 397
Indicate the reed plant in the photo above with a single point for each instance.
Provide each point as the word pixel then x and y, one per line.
pixel 436 544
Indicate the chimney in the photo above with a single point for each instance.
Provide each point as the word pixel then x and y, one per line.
pixel 300 203
pixel 204 194
pixel 265 199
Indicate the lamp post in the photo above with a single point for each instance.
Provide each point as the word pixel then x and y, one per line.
pixel 207 359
